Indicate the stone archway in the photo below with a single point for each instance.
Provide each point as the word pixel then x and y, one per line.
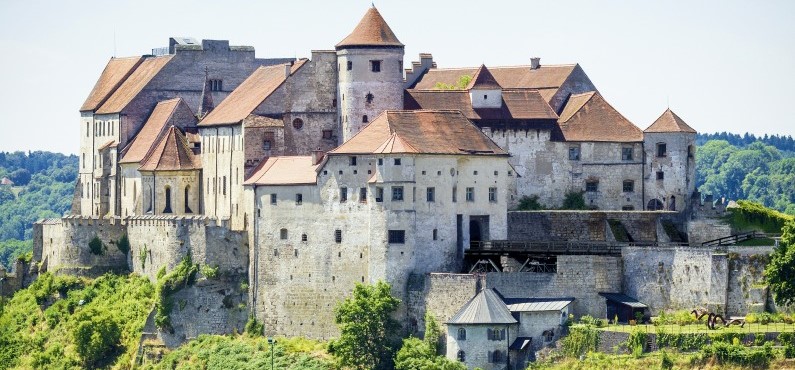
pixel 654 205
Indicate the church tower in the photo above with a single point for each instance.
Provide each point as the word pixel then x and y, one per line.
pixel 370 63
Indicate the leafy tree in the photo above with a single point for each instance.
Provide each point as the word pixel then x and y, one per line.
pixel 20 177
pixel 780 272
pixel 96 336
pixel 424 354
pixel 368 332
pixel 461 84
pixel 529 203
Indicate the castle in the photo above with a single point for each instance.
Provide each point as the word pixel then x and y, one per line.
pixel 305 176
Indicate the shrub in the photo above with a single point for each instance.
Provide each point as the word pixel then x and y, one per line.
pixel 142 254
pixel 254 328
pixel 96 336
pixel 789 351
pixel 751 318
pixel 725 353
pixel 636 342
pixel 529 203
pixel 184 274
pixel 666 363
pixel 581 339
pixel 209 271
pixel 123 244
pixel 574 200
pixel 96 246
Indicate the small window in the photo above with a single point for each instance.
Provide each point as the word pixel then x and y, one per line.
pixel 397 236
pixel 216 85
pixel 430 194
pixel 397 162
pixel 662 149
pixel 343 195
pixel 435 234
pixel 549 335
pixel 224 184
pixel 475 173
pixel 397 193
pixel 470 194
pixel 299 199
pixel 283 234
pixel 298 123
pixel 363 195
pixel 303 237
pixel 338 236
pixel 273 198
pixel 380 161
pixel 455 194
pixel 350 65
pixel 379 194
pixel 574 153
pixel 462 357
pixel 326 134
pixel 369 97
pixel 365 119
pixel 266 145
pixel 660 175
pixel 689 151
pixel 493 195
pixel 626 154
pixel 591 186
pixel 629 186
pixel 352 161
pixel 462 334
pixel 375 65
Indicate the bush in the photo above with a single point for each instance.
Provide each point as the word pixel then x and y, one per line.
pixel 143 253
pixel 725 353
pixel 574 200
pixel 209 271
pixel 96 246
pixel 529 203
pixel 754 216
pixel 789 351
pixel 123 244
pixel 666 362
pixel 636 342
pixel 254 328
pixel 581 339
pixel 96 336
pixel 184 274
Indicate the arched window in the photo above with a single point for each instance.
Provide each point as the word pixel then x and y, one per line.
pixel 654 205
pixel 187 207
pixel 298 123
pixel 462 334
pixel 365 119
pixel 151 193
pixel 462 356
pixel 167 209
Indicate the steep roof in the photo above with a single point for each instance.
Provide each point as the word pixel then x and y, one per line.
pixel 132 85
pixel 286 170
pixel 115 72
pixel 152 129
pixel 171 154
pixel 483 80
pixel 546 77
pixel 372 30
pixel 669 122
pixel 516 104
pixel 249 95
pixel 420 131
pixel 588 117
pixel 485 308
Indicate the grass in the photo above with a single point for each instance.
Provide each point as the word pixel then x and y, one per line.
pixel 648 361
pixel 702 328
pixel 758 242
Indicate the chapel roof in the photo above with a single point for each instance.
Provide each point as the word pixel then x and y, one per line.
pixel 486 307
pixel 420 131
pixel 154 127
pixel 284 170
pixel 115 72
pixel 171 154
pixel 134 83
pixel 669 122
pixel 589 117
pixel 372 30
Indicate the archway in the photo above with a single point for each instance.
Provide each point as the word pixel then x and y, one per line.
pixel 478 230
pixel 654 205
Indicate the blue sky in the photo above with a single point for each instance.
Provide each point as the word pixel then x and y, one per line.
pixel 721 65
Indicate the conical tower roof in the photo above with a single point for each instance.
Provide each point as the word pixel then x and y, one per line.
pixel 483 80
pixel 372 30
pixel 669 122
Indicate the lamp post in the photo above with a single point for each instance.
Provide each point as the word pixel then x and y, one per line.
pixel 271 342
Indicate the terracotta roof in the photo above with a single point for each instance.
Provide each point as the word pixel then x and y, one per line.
pixel 112 76
pixel 512 77
pixel 516 104
pixel 295 170
pixel 171 154
pixel 483 80
pixel 669 122
pixel 421 131
pixel 249 95
pixel 486 307
pixel 588 117
pixel 372 30
pixel 254 120
pixel 133 85
pixel 153 128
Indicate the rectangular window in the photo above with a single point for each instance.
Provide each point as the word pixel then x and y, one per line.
pixel 493 195
pixel 273 198
pixel 299 199
pixel 662 149
pixel 430 194
pixel 574 153
pixel 626 154
pixel 327 134
pixel 283 234
pixel 470 197
pixel 363 195
pixel 455 194
pixel 397 236
pixel 350 65
pixel 660 175
pixel 591 186
pixel 397 193
pixel 629 186
pixel 266 145
pixel 338 236
pixel 352 161
pixel 216 85
pixel 397 161
pixel 435 234
pixel 343 194
pixel 375 65
pixel 380 161
pixel 379 194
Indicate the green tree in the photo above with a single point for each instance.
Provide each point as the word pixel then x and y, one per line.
pixel 424 354
pixel 368 332
pixel 96 336
pixel 780 272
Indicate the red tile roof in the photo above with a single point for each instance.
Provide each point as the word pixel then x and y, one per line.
pixel 588 117
pixel 512 77
pixel 115 72
pixel 517 104
pixel 133 84
pixel 286 170
pixel 171 154
pixel 372 30
pixel 483 80
pixel 249 95
pixel 669 122
pixel 154 127
pixel 421 131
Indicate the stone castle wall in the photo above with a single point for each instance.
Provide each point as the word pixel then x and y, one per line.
pixel 64 246
pixel 583 226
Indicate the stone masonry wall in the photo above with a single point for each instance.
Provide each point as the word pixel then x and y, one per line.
pixel 64 246
pixel 581 226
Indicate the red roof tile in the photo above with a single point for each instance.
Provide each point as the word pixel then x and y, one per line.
pixel 483 80
pixel 133 84
pixel 284 171
pixel 669 122
pixel 171 154
pixel 372 30
pixel 517 104
pixel 588 117
pixel 512 77
pixel 115 72
pixel 153 129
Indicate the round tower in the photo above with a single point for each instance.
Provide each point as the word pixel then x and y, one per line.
pixel 670 168
pixel 370 64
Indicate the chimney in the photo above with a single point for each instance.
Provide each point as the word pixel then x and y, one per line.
pixel 535 62
pixel 287 70
pixel 317 156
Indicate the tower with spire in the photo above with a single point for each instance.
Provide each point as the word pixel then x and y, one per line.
pixel 370 63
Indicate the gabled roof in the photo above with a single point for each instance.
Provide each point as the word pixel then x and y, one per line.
pixel 537 304
pixel 292 170
pixel 669 122
pixel 485 308
pixel 517 104
pixel 546 77
pixel 132 85
pixel 588 117
pixel 171 154
pixel 483 80
pixel 623 300
pixel 154 127
pixel 115 72
pixel 420 131
pixel 372 30
pixel 249 95
pixel 254 120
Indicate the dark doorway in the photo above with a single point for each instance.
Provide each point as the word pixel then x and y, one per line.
pixel 672 205
pixel 654 205
pixel 478 229
pixel 459 235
